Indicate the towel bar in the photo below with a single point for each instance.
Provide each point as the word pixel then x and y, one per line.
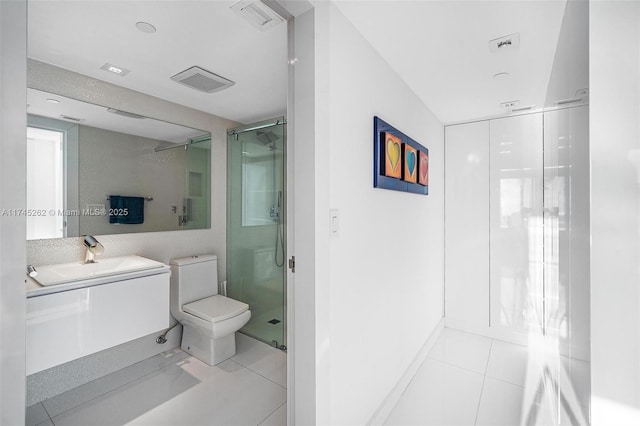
pixel 145 198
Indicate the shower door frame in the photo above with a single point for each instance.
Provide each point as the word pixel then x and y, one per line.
pixel 232 137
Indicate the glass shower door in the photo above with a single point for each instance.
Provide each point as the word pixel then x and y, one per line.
pixel 256 227
pixel 197 203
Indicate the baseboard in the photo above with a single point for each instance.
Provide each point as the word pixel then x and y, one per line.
pixel 393 397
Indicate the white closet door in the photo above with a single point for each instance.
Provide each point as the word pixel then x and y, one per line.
pixel 566 219
pixel 467 226
pixel 516 225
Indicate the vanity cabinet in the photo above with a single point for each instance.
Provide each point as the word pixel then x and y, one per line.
pixel 67 325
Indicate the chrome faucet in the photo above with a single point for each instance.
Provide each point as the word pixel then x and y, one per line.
pixel 94 248
pixel 31 271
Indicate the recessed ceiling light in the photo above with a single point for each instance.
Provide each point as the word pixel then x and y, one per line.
pixel 115 69
pixel 501 76
pixel 145 27
pixel 53 101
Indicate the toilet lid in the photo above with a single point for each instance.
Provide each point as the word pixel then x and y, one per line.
pixel 215 308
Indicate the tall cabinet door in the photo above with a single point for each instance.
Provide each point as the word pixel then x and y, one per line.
pixel 516 225
pixel 566 221
pixel 467 226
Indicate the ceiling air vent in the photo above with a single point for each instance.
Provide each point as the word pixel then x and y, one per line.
pixel 202 80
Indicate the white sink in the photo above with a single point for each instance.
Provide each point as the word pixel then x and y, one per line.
pixel 79 271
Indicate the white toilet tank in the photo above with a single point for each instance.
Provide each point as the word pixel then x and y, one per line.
pixel 193 278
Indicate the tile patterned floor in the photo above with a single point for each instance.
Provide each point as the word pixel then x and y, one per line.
pixel 465 380
pixel 474 380
pixel 174 388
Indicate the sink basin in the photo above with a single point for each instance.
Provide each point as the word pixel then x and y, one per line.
pixel 78 271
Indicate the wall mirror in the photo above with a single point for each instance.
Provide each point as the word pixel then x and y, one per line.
pixel 97 170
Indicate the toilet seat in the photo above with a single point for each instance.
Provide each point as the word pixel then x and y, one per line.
pixel 215 308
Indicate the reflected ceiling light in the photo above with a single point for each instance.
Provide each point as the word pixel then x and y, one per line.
pixel 257 13
pixel 71 118
pixel 53 101
pixel 125 113
pixel 145 27
pixel 115 69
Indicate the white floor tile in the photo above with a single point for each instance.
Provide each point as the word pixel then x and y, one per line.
pixel 278 418
pixel 35 415
pixel 439 394
pixel 500 404
pixel 508 362
pixel 579 374
pixel 87 392
pixel 228 396
pixel 132 400
pixel 462 349
pixel 265 360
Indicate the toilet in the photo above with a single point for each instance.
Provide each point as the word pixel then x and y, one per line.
pixel 209 319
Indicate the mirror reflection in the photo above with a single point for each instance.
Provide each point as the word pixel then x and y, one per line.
pixel 98 170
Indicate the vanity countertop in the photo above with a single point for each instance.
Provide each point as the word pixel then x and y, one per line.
pixel 34 288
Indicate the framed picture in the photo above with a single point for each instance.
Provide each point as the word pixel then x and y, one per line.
pixel 397 160
pixel 392 155
pixel 410 160
pixel 423 168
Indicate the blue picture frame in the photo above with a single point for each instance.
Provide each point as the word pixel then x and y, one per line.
pixel 379 179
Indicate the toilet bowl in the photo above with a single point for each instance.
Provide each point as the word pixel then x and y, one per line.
pixel 209 319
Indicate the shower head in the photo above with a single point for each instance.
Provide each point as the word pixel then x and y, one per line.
pixel 267 138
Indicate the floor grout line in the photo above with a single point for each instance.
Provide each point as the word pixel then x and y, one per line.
pixel 454 365
pixel 46 411
pixel 259 374
pixel 271 414
pixel 484 379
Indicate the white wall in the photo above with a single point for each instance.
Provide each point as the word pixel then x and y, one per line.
pixel 13 122
pixel 386 264
pixel 131 168
pixel 615 211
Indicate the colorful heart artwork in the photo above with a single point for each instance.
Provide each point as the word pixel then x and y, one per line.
pixel 393 151
pixel 423 168
pixel 400 163
pixel 410 164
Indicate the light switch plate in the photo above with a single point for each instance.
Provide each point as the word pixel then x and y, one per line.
pixel 334 222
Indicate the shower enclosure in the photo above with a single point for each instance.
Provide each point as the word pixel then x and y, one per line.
pixel 256 226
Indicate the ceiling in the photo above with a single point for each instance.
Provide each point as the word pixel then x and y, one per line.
pixel 54 106
pixel 84 35
pixel 439 48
